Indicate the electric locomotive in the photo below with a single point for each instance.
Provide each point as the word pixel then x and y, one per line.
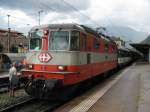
pixel 63 55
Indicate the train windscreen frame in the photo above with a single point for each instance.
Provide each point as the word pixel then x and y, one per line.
pixel 36 39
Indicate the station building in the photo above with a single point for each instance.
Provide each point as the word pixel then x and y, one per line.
pixel 12 41
pixel 144 47
pixel 13 47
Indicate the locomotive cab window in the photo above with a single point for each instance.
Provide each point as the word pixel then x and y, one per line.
pixel 36 39
pixel 74 43
pixel 59 40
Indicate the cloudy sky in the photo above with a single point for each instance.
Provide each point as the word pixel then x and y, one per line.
pixel 24 13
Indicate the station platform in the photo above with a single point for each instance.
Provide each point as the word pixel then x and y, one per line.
pixel 127 91
pixel 130 94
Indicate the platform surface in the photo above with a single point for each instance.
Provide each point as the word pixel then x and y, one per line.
pixel 130 94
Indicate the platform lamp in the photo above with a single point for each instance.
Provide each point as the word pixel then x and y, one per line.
pixel 39 12
pixel 8 33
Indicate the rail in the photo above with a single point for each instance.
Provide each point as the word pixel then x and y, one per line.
pixel 18 104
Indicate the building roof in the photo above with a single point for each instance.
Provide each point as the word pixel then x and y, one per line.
pixel 139 45
pixel 143 46
pixel 12 31
pixel 146 41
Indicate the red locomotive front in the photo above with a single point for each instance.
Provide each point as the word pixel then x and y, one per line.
pixel 62 55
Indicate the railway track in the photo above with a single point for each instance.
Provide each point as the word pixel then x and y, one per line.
pixel 32 105
pixel 28 104
pixel 17 104
pixel 4 88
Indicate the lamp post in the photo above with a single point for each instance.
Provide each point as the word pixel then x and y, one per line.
pixel 8 33
pixel 39 12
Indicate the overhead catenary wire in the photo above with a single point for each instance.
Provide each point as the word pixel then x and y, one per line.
pixel 43 5
pixel 81 14
pixel 90 18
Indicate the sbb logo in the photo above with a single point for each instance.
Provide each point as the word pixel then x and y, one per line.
pixel 45 57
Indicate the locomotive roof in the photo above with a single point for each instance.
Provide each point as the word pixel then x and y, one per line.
pixel 124 49
pixel 73 26
pixel 67 26
pixel 61 26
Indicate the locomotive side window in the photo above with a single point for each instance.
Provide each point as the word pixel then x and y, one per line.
pixel 59 40
pixel 84 41
pixel 36 40
pixel 35 44
pixel 106 46
pixel 74 44
pixel 96 43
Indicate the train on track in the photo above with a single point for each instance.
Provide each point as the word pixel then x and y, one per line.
pixel 64 55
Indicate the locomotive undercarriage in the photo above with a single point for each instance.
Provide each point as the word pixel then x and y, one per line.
pixel 43 89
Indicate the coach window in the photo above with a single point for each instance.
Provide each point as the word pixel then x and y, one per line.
pixel 59 40
pixel 74 43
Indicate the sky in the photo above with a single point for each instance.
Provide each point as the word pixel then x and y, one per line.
pixel 24 13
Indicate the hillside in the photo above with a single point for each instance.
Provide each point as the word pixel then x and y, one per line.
pixel 126 33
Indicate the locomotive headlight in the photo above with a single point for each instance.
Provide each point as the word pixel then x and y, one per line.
pixel 30 66
pixel 61 67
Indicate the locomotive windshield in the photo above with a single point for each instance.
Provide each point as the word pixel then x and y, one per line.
pixel 36 40
pixel 59 40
